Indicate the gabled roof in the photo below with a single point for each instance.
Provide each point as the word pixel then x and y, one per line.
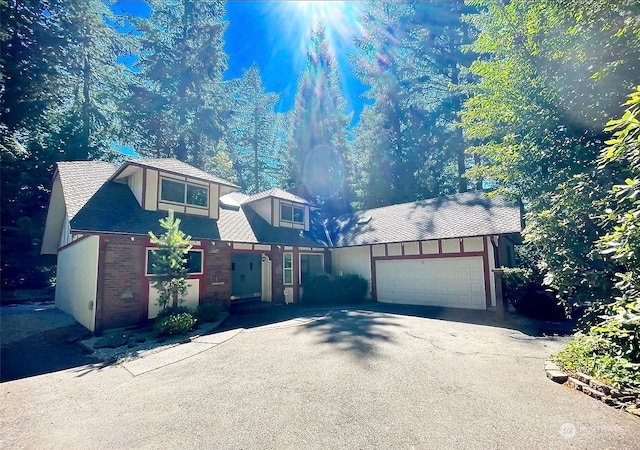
pixel 462 215
pixel 277 193
pixel 176 167
pixel 114 209
pixel 77 189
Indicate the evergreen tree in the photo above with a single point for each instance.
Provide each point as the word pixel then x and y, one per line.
pixel 179 104
pixel 318 131
pixel 59 83
pixel 256 139
pixel 411 56
pixel 543 97
pixel 170 262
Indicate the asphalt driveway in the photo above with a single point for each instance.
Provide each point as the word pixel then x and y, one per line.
pixel 346 378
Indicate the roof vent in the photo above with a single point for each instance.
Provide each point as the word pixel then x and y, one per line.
pixel 364 220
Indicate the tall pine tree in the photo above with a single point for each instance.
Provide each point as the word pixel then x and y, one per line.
pixel 256 139
pixel 318 131
pixel 411 57
pixel 180 104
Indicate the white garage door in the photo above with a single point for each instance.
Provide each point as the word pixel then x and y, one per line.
pixel 450 282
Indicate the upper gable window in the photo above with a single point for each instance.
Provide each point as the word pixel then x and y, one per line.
pixel 289 213
pixel 179 192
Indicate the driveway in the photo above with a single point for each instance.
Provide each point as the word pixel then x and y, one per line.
pixel 346 378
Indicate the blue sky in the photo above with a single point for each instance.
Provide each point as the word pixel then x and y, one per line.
pixel 275 35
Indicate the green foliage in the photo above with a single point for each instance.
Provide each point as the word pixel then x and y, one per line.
pixel 407 145
pixel 610 347
pixel 317 137
pixel 170 267
pixel 323 289
pixel 596 355
pixel 176 323
pixel 515 283
pixel 527 297
pixel 257 138
pixel 178 103
pixel 208 312
pixel 622 242
pixel 537 114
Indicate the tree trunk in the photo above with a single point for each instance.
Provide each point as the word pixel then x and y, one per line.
pixel 174 298
pixel 458 139
pixel 86 111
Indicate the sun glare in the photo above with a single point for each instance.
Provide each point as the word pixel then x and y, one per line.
pixel 298 19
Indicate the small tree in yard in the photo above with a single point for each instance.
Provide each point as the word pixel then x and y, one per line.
pixel 170 263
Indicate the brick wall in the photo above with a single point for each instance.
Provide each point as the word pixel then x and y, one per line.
pixel 120 290
pixel 217 273
pixel 276 268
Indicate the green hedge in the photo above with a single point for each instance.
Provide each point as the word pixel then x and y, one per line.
pixel 323 289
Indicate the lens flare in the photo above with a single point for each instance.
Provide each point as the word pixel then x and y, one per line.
pixel 298 19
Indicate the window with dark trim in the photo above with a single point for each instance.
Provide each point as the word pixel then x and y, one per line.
pixel 310 264
pixel 194 261
pixel 287 267
pixel 185 193
pixel 290 213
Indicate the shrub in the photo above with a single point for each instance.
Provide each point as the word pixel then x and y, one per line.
pixel 208 312
pixel 601 358
pixel 515 283
pixel 177 323
pixel 528 297
pixel 325 288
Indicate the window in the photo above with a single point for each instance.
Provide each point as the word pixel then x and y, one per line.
pixel 197 195
pixel 178 192
pixel 311 264
pixel 194 261
pixel 172 191
pixel 289 213
pixel 287 265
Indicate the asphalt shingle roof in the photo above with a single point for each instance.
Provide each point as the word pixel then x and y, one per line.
pixel 114 209
pixel 462 215
pixel 277 193
pixel 178 167
pixel 81 180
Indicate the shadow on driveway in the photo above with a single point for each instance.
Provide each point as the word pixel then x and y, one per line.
pixel 49 351
pixel 269 315
pixel 356 331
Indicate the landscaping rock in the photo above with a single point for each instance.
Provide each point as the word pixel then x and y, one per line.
pixel 583 377
pixel 598 386
pixel 612 402
pixel 111 341
pixel 592 392
pixel 557 376
pixel 576 384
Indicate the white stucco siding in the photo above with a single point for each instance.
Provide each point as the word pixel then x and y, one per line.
pixel 56 217
pixel 151 190
pixel 352 260
pixel 135 184
pixel 263 208
pixel 77 280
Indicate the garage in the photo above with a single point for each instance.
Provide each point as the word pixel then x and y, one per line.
pixel 452 282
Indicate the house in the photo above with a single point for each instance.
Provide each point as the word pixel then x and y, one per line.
pixel 259 247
